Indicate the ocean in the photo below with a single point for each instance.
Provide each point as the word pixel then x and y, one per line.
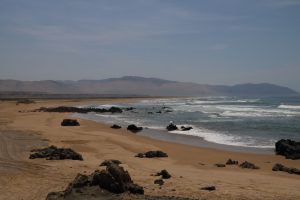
pixel 240 122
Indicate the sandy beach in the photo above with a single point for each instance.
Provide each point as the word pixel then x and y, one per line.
pixel 191 167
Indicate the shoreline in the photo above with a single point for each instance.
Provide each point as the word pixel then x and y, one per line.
pixel 191 140
pixel 191 167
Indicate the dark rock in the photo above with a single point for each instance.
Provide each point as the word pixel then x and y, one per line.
pixel 248 165
pixel 54 153
pixel 219 165
pixel 288 148
pixel 280 167
pixel 152 154
pixel 110 162
pixel 133 128
pixel 183 128
pixel 130 108
pixel 80 181
pixel 116 180
pixel 70 122
pixel 159 182
pixel 63 109
pixel 114 110
pixel 25 101
pixel 172 127
pixel 209 188
pixel 164 174
pixel 232 162
pixel 168 111
pixel 155 154
pixel 159 112
pixel 115 126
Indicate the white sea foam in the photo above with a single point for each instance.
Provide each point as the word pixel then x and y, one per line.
pixel 296 107
pixel 222 138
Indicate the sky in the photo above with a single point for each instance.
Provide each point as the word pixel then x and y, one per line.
pixel 213 42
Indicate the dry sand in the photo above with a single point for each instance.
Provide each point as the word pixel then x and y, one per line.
pixel 191 167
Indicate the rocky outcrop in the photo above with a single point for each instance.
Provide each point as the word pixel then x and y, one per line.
pixel 288 148
pixel 248 165
pixel 54 153
pixel 152 154
pixel 63 109
pixel 232 162
pixel 69 122
pixel 116 180
pixel 113 179
pixel 164 174
pixel 133 128
pixel 115 126
pixel 171 127
pixel 291 170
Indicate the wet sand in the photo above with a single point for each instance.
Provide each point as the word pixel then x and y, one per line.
pixel 191 167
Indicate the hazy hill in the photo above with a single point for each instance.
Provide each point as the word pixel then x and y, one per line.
pixel 143 86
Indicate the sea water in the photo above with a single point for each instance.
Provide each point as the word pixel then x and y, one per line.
pixel 244 122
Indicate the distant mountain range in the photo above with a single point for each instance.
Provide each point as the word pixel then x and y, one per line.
pixel 133 85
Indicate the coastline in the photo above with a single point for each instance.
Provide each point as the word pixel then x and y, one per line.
pixel 97 142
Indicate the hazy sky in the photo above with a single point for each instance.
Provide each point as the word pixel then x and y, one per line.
pixel 214 42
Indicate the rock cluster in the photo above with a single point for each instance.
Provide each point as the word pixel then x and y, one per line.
pixel 54 153
pixel 288 148
pixel 113 179
pixel 152 154
pixel 80 110
pixel 69 122
pixel 280 167
pixel 133 128
pixel 248 165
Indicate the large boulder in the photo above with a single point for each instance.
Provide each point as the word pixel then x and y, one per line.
pixel 133 128
pixel 291 170
pixel 70 122
pixel 288 148
pixel 54 153
pixel 116 180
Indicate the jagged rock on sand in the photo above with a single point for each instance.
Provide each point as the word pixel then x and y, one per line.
pixel 232 162
pixel 54 153
pixel 133 128
pixel 288 148
pixel 291 170
pixel 152 154
pixel 70 122
pixel 248 165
